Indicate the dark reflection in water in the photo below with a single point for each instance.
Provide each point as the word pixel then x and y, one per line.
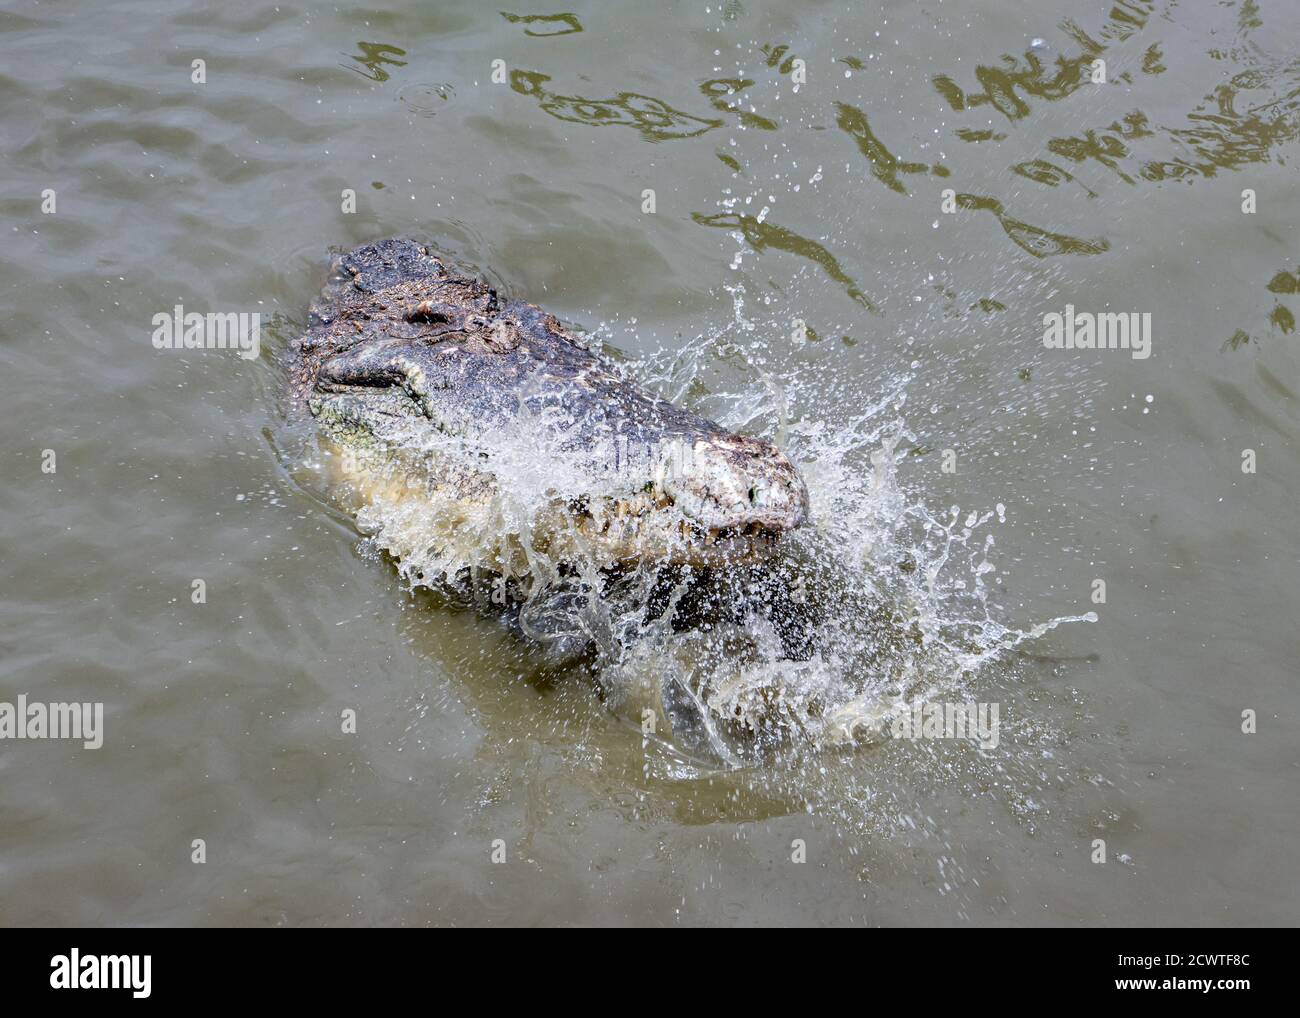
pixel 372 57
pixel 1285 282
pixel 885 166
pixel 1220 137
pixel 1106 147
pixel 567 23
pixel 1152 60
pixel 1038 242
pixel 764 235
pixel 1002 86
pixel 717 89
pixel 1222 132
pixel 1044 172
pixel 774 56
pixel 654 118
pixel 970 134
pixel 1280 316
pixel 1239 123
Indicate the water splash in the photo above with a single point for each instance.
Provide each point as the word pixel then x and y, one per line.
pixel 897 590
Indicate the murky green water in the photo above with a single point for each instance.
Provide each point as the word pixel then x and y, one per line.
pixel 823 202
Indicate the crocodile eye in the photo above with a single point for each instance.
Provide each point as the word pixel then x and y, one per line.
pixel 427 311
pixel 753 495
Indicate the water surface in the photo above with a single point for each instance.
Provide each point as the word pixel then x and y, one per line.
pixel 822 202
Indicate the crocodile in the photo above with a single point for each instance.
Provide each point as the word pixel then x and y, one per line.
pixel 427 386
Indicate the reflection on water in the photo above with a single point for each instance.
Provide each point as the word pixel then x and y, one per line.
pixel 1285 282
pixel 653 118
pixel 759 235
pixel 1223 138
pixel 1038 242
pixel 1002 86
pixel 776 57
pixel 566 24
pixel 1280 316
pixel 885 166
pixel 1239 123
pixel 974 135
pixel 718 89
pixel 373 57
pixel 1218 135
pixel 1107 148
pixel 1044 172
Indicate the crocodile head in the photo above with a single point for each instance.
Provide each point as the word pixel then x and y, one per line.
pixel 410 367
